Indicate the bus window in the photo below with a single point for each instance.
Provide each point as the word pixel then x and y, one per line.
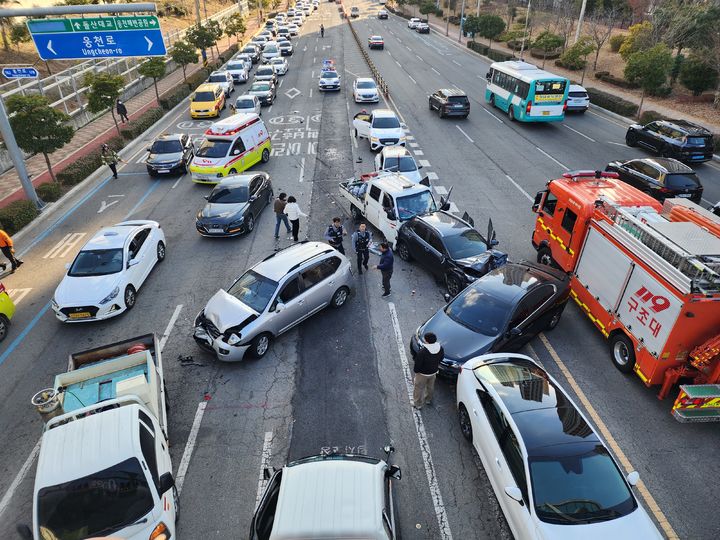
pixel 544 88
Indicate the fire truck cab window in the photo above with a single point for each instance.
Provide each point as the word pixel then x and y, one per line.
pixel 568 220
pixel 549 204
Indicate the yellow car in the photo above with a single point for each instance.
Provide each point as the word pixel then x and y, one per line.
pixel 207 101
pixel 7 310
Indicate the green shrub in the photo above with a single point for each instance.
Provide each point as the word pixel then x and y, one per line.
pixel 50 191
pixel 499 56
pixel 570 60
pixel 80 169
pixel 716 142
pixel 539 53
pixel 661 91
pixel 170 99
pixel 116 143
pixel 612 103
pixel 196 79
pixel 616 81
pixel 135 128
pixel 616 42
pixel 478 47
pixel 601 74
pixel 16 215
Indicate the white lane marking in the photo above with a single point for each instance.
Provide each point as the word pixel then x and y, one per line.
pixel 514 183
pixel 435 70
pixel 419 58
pixel 418 152
pixel 19 478
pixel 280 83
pixel 457 63
pixel 270 109
pixel 399 40
pixel 424 162
pixel 398 63
pixel 437 499
pixel 616 143
pixel 440 190
pixel 413 145
pixel 432 176
pixel 114 196
pixel 409 137
pixel 311 91
pixel 413 80
pixel 389 52
pixel 354 139
pixel 264 462
pixel 453 209
pixel 177 182
pixel 609 119
pixel 313 60
pixel 169 327
pixel 543 152
pixel 18 294
pixel 189 447
pixel 104 206
pixel 312 74
pixel 491 114
pixel 466 135
pixel 408 48
pixel 63 246
pixel 302 169
pixel 581 134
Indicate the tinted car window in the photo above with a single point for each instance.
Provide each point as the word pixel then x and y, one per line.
pixel 147 446
pixel 682 181
pixel 458 99
pixel 415 205
pixel 330 266
pixel 468 244
pixel 253 290
pixel 203 97
pixel 434 240
pixel 97 262
pixel 166 147
pixel 698 140
pixel 244 104
pixel 647 169
pixel 385 122
pixel 513 456
pixel 229 195
pixel 495 416
pixel 218 78
pixel 479 311
pixel 290 290
pixel 213 149
pixel 550 204
pixel 313 275
pixel 366 84
pixel 375 193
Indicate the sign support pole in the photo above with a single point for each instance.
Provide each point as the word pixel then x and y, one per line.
pixel 17 157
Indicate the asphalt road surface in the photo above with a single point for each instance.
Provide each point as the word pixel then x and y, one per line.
pixel 339 382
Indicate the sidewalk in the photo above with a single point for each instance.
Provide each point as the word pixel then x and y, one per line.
pixel 89 138
pixel 650 104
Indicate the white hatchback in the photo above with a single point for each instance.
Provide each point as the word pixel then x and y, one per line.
pixel 550 470
pixel 107 273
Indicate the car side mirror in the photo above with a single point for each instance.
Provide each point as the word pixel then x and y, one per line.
pixel 514 493
pixel 167 482
pixel 391 215
pixel 24 532
pixel 403 125
pixel 388 449
pixel 252 198
pixel 236 152
pixel 279 307
pixel 633 478
pixel 394 472
pixel 420 167
pixel 494 242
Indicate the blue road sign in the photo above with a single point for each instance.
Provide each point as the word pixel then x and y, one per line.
pixel 20 73
pixel 83 45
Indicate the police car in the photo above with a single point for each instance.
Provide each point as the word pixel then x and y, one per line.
pixel 231 146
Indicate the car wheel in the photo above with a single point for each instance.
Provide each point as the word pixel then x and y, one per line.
pixel 403 251
pixel 260 345
pixel 4 326
pixel 631 139
pixel 265 155
pixel 130 297
pixel 250 223
pixel 356 213
pixel 430 105
pixel 465 424
pixel 511 113
pixel 160 251
pixel 270 197
pixel 555 319
pixel 544 256
pixel 666 151
pixel 622 352
pixel 492 100
pixel 340 297
pixel 232 171
pixel 453 285
pixel 176 499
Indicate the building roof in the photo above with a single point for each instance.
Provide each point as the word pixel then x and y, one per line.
pixel 331 499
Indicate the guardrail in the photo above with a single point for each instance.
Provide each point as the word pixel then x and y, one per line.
pixel 382 85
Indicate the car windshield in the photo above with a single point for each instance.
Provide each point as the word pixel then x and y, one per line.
pixel 166 147
pixel 366 84
pixel 386 122
pixel 95 505
pixel 250 50
pixel 285 45
pixel 244 104
pixel 236 67
pixel 327 74
pixel 203 97
pixel 277 61
pixel 468 244
pixel 419 203
pixel 682 181
pixel 254 290
pixel 218 78
pixel 265 70
pixel 579 488
pixel 213 149
pixel 260 87
pixel 229 195
pixel 401 164
pixel 271 49
pixel 479 311
pixel 97 262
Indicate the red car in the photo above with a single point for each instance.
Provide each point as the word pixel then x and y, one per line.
pixel 376 42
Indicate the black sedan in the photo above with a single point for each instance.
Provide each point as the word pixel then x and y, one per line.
pixel 169 154
pixel 449 248
pixel 660 178
pixel 499 312
pixel 234 204
pixel 266 91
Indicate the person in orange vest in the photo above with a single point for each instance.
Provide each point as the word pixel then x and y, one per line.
pixel 6 246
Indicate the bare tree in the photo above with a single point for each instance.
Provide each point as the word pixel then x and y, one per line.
pixel 566 11
pixel 600 26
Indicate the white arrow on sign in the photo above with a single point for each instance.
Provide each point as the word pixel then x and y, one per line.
pixel 150 43
pixel 49 47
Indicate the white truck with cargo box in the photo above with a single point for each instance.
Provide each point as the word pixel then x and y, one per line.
pixel 387 199
pixel 104 467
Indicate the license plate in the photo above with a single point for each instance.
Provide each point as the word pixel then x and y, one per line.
pixel 163 171
pixel 685 195
pixel 81 315
pixel 546 113
pixel 215 229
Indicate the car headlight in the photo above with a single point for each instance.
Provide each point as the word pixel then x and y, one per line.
pixel 238 221
pixel 234 339
pixel 402 137
pixel 374 139
pixel 110 296
pixel 55 305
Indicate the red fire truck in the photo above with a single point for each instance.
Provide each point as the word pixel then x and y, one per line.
pixel 647 274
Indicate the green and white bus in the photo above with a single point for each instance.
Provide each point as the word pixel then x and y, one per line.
pixel 526 93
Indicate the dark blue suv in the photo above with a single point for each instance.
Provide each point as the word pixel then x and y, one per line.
pixel 677 139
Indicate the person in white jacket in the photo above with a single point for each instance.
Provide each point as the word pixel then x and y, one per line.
pixel 294 214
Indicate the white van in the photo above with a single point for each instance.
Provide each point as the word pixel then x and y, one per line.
pixel 231 146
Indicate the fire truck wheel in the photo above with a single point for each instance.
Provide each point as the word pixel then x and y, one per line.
pixel 622 352
pixel 544 256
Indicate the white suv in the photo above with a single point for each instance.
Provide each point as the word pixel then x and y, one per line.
pixel 412 23
pixel 224 79
pixel 270 298
pixel 381 128
pixel 578 99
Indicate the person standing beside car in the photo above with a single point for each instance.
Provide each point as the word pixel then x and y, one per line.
pixel 361 240
pixel 279 208
pixel 427 364
pixel 386 267
pixel 293 212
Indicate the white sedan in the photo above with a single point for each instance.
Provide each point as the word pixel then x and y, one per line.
pixel 365 90
pixel 107 273
pixel 280 65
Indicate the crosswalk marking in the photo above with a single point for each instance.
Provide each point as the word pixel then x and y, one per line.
pixel 61 249
pixel 414 145
pixel 424 162
pixel 419 152
pixel 432 176
pixel 18 294
pixel 440 190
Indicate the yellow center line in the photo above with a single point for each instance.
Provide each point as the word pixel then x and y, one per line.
pixel 644 492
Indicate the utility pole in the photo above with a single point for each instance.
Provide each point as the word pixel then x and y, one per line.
pixel 580 20
pixel 462 21
pixel 527 19
pixel 198 18
pixel 477 12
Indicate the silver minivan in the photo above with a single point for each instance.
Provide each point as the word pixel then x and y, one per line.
pixel 272 297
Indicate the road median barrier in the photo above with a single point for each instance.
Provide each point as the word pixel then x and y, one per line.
pixel 382 85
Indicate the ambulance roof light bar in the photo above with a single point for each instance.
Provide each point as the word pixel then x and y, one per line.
pixel 596 175
pixel 226 128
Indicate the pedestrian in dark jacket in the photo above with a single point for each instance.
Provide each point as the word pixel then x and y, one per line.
pixel 427 363
pixel 334 235
pixel 122 111
pixel 280 217
pixel 386 267
pixel 361 240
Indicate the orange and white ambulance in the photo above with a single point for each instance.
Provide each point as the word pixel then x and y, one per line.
pixel 229 147
pixel 647 275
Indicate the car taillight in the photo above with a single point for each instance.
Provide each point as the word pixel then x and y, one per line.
pixel 565 106
pixel 665 190
pixel 528 107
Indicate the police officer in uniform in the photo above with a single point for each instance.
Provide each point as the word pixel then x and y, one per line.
pixel 361 240
pixel 334 235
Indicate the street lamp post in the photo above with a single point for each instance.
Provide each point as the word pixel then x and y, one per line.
pixel 580 20
pixel 527 20
pixel 462 21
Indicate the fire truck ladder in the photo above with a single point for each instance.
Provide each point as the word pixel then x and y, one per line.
pixel 703 270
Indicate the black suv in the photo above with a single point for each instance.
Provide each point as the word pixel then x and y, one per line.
pixel 677 139
pixel 660 178
pixel 450 102
pixel 449 248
